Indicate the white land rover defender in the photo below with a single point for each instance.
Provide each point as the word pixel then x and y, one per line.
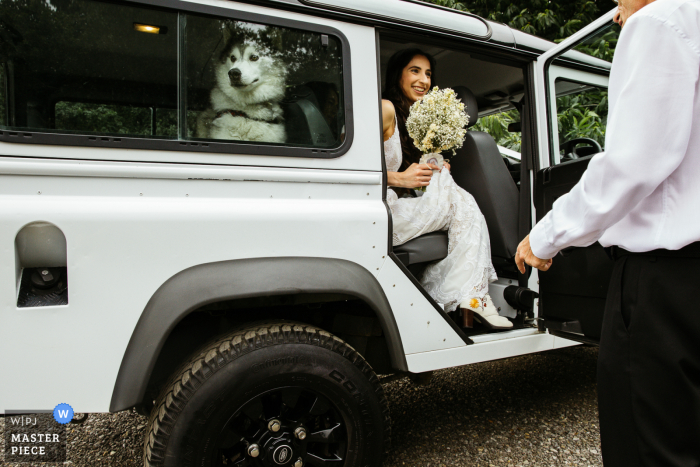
pixel 244 291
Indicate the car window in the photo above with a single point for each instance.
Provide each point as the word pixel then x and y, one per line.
pixel 602 44
pixel 503 127
pixel 75 66
pixel 582 116
pixel 255 82
pixel 86 67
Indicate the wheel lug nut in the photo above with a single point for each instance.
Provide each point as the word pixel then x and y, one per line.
pixel 300 433
pixel 274 426
pixel 253 450
pixel 299 463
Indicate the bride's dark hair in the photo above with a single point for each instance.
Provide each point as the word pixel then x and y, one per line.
pixel 393 93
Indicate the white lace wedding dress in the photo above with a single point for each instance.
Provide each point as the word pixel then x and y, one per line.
pixel 467 270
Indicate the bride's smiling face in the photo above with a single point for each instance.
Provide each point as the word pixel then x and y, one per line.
pixel 415 79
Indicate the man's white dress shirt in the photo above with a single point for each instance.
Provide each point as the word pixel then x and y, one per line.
pixel 643 192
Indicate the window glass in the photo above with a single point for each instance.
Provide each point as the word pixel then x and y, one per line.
pixel 582 116
pixel 503 128
pixel 602 44
pixel 3 92
pixel 115 119
pixel 259 83
pixel 79 66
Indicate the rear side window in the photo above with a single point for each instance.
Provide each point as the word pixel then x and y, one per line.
pixel 84 67
pixel 254 82
pixel 76 71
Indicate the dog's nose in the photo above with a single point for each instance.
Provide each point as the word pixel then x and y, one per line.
pixel 234 73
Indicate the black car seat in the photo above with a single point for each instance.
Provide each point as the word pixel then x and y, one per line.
pixel 305 124
pixel 478 168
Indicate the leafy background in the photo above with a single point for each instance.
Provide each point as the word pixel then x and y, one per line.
pixel 581 115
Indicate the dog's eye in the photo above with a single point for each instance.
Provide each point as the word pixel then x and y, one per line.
pixel 254 58
pixel 233 59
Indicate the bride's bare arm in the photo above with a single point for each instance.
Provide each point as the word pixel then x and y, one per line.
pixel 388 114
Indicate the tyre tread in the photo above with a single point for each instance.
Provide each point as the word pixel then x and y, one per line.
pixel 218 354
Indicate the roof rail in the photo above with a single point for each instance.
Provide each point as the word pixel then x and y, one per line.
pixel 412 13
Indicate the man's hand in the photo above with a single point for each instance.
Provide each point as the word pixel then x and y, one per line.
pixel 525 255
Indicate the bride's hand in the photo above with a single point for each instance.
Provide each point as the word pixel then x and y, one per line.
pixel 417 175
pixel 446 165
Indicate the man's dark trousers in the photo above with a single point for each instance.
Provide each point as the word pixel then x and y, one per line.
pixel 649 361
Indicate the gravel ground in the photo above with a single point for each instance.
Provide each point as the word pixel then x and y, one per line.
pixel 536 410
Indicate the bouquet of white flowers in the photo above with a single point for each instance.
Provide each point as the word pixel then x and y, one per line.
pixel 437 123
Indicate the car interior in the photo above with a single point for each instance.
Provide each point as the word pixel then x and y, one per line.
pixel 487 87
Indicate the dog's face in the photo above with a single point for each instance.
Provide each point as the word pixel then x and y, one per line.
pixel 250 72
pixel 246 66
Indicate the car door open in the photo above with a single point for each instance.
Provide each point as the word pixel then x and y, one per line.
pixel 572 107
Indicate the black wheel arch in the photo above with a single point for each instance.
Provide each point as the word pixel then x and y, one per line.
pixel 208 283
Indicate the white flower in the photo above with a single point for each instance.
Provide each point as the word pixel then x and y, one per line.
pixel 438 121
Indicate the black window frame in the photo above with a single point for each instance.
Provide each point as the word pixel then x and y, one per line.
pixel 178 7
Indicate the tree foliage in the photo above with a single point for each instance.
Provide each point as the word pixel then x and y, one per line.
pixel 580 115
pixel 552 20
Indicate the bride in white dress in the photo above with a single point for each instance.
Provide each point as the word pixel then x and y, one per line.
pixel 461 280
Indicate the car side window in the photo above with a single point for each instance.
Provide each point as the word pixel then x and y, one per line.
pixel 582 105
pixel 582 116
pixel 88 68
pixel 174 80
pixel 256 82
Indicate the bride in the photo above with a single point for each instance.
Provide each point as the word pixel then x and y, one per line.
pixel 461 280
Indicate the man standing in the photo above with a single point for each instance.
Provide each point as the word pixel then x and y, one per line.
pixel 642 198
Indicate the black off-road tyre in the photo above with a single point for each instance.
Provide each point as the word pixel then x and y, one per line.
pixel 226 398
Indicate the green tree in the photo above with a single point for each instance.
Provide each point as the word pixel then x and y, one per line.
pixel 579 115
pixel 552 20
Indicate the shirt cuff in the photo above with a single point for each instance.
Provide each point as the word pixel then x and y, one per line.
pixel 539 244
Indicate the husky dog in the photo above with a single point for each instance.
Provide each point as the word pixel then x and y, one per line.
pixel 250 83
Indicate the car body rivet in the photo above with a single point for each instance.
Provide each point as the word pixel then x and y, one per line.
pixel 140 194
pixel 253 450
pixel 499 308
pixel 274 426
pixel 39 192
pixel 299 463
pixel 300 433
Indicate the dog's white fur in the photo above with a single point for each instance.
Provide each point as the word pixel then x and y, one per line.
pixel 260 89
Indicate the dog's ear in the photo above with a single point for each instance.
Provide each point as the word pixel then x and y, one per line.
pixel 230 35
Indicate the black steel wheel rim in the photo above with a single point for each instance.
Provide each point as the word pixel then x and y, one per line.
pixel 295 409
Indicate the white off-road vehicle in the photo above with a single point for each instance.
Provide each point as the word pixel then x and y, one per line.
pixel 243 291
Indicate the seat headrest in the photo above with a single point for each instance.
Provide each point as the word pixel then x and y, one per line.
pixel 469 102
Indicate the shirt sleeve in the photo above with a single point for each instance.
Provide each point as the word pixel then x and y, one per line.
pixel 652 86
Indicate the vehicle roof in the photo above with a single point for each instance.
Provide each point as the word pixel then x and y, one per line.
pixel 417 13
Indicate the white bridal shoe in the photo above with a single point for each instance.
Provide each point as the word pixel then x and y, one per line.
pixel 485 312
